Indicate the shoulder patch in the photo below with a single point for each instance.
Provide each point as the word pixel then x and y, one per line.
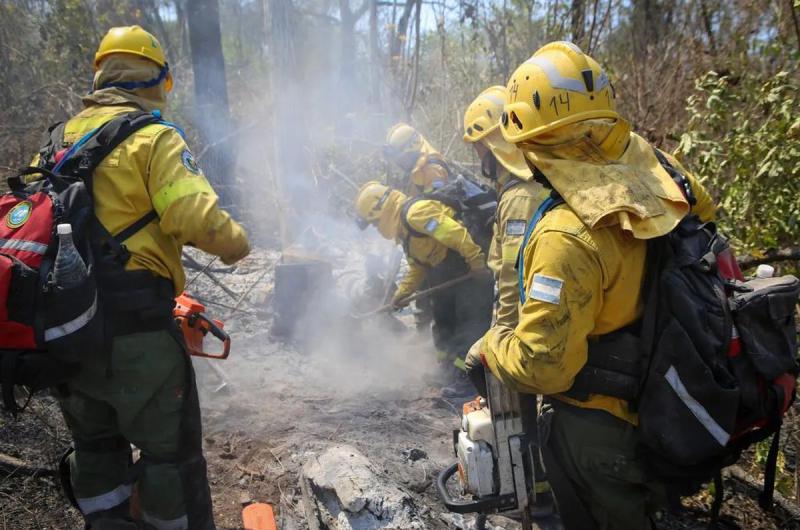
pixel 189 162
pixel 516 227
pixel 19 214
pixel 431 225
pixel 546 289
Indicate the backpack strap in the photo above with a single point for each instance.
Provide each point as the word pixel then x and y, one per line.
pixel 679 178
pixel 548 204
pixel 512 183
pixel 404 217
pixel 52 142
pixel 436 160
pixel 86 154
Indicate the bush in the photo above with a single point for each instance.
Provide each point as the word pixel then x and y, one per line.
pixel 743 142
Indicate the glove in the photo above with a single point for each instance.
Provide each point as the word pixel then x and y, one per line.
pixel 399 301
pixel 480 270
pixel 475 367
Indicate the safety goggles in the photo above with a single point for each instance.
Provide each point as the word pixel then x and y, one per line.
pixel 364 223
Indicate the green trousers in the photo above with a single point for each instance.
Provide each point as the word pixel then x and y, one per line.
pixel 596 454
pixel 135 396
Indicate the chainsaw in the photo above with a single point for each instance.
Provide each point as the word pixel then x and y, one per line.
pixel 190 316
pixel 498 462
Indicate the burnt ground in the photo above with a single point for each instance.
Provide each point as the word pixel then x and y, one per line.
pixel 344 381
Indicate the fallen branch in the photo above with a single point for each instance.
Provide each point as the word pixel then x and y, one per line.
pixel 206 301
pixel 248 291
pixel 741 475
pixel 193 262
pixel 771 256
pixel 11 465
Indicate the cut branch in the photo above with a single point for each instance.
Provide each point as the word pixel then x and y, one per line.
pixel 771 256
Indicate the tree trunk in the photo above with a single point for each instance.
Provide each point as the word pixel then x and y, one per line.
pixel 374 54
pixel 292 167
pixel 211 97
pixel 578 20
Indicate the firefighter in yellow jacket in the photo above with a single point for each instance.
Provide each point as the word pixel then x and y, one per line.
pixel 438 248
pixel 518 194
pixel 425 167
pixel 583 268
pixel 142 391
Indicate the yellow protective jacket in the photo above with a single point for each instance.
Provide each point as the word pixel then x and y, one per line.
pixel 517 202
pixel 582 281
pixel 443 234
pixel 429 173
pixel 154 170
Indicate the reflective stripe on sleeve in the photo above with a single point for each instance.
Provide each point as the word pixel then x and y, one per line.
pixel 178 189
pixel 698 410
pixel 105 501
pixel 56 332
pixel 24 245
pixel 181 523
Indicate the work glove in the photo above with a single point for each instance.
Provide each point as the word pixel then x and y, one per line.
pixel 480 270
pixel 475 368
pixel 399 301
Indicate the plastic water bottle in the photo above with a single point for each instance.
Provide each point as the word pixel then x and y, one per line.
pixel 765 271
pixel 69 270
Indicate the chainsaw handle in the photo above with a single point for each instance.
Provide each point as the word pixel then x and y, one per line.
pixel 211 326
pixel 487 505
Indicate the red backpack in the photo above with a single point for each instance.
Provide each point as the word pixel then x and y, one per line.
pixel 45 329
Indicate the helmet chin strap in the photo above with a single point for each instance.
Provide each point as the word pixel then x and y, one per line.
pixel 489 166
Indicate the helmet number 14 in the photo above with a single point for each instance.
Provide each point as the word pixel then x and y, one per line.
pixel 561 100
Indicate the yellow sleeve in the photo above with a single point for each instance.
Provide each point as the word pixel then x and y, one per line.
pixel 705 208
pixel 548 347
pixel 187 204
pixel 432 218
pixel 513 213
pixel 412 280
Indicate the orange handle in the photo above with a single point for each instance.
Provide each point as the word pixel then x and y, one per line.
pixel 207 325
pixel 259 516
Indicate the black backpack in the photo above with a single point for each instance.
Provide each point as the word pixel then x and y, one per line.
pixel 44 329
pixel 475 205
pixel 710 367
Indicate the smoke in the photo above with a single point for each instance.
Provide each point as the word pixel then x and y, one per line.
pixel 302 150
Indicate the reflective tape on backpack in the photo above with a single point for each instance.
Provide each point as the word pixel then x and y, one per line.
pixel 694 406
pixel 62 330
pixel 24 246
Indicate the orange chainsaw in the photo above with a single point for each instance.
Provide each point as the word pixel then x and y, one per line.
pixel 195 325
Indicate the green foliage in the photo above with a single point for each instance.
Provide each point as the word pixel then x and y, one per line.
pixel 743 142
pixel 783 479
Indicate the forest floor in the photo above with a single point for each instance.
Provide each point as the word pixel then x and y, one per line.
pixel 288 401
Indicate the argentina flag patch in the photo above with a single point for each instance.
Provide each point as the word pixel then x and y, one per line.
pixel 431 225
pixel 546 289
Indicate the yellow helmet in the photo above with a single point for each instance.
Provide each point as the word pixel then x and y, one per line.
pixel 130 39
pixel 135 41
pixel 481 124
pixel 370 201
pixel 483 115
pixel 402 138
pixel 559 85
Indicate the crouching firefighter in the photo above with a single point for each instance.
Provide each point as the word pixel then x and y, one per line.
pixel 438 248
pixel 149 192
pixel 581 270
